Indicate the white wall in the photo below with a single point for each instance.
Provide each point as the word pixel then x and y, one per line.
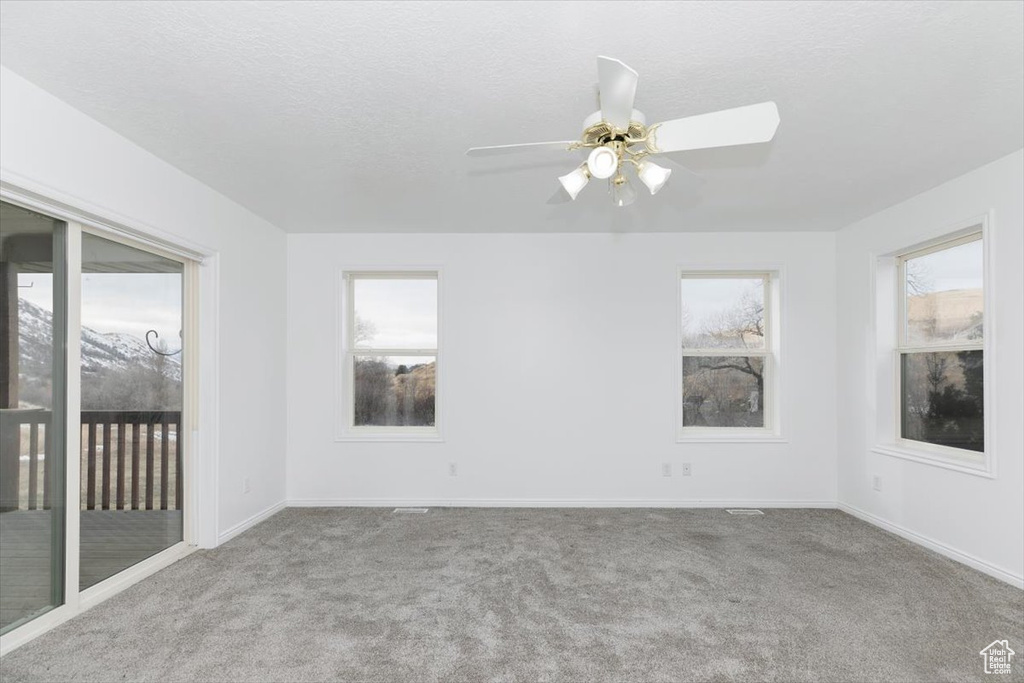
pixel 980 520
pixel 559 373
pixel 53 147
pixel 559 352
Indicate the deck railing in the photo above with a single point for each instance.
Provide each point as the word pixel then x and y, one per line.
pixel 129 460
pixel 20 486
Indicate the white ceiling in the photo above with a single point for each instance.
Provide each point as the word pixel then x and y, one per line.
pixel 355 116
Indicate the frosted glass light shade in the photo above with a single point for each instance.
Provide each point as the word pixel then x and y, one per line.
pixel 653 176
pixel 574 182
pixel 603 162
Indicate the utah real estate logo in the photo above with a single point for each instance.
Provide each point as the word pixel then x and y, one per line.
pixel 997 657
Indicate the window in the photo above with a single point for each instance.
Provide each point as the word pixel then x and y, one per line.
pixel 391 354
pixel 940 354
pixel 728 354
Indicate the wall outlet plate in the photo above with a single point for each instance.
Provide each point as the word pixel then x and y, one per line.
pixel 687 469
pixel 876 483
pixel 666 469
pixel 453 469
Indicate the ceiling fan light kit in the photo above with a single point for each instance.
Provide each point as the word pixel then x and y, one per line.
pixel 603 162
pixel 653 176
pixel 575 181
pixel 617 135
pixel 622 191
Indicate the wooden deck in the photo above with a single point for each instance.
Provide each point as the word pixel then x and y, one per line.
pixel 111 540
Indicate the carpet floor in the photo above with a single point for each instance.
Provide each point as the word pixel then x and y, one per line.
pixel 543 595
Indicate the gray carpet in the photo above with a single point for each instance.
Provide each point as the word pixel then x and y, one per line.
pixel 555 595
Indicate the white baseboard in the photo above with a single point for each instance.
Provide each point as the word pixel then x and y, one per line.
pixel 555 503
pixel 247 524
pixel 941 548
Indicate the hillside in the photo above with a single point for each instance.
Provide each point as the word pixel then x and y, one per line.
pixel 119 371
pixel 951 314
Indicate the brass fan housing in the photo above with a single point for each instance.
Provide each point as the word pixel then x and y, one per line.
pixel 601 133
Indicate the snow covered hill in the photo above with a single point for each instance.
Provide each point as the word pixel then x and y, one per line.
pixel 106 358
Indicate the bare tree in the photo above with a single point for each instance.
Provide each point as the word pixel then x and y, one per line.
pixel 373 381
pixel 715 389
pixel 919 278
pixel 365 330
pixel 745 323
pixel 936 365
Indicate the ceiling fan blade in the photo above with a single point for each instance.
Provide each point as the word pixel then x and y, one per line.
pixel 739 126
pixel 495 150
pixel 618 88
pixel 688 176
pixel 559 197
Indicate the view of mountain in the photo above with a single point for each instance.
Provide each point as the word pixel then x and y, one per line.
pixel 119 371
pixel 951 314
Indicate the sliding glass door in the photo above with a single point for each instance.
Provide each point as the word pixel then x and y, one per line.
pixel 33 314
pixel 131 462
pixel 94 411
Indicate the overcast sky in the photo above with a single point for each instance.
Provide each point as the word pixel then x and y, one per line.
pixel 402 313
pixel 125 303
pixel 704 299
pixel 957 268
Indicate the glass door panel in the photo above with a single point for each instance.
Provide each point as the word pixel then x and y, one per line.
pixel 33 316
pixel 132 438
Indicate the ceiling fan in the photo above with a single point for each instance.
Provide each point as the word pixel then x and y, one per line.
pixel 618 137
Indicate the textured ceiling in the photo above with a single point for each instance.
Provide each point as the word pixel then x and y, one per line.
pixel 354 116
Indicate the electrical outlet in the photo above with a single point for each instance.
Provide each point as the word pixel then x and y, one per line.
pixel 453 469
pixel 245 485
pixel 666 469
pixel 685 467
pixel 876 483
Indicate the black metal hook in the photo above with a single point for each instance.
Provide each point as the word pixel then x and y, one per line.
pixel 156 351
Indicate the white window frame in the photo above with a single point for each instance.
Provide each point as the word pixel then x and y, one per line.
pixel 346 428
pixel 771 432
pixel 903 347
pixel 886 314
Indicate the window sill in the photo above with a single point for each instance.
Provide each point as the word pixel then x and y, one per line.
pixel 935 460
pixel 425 436
pixel 730 437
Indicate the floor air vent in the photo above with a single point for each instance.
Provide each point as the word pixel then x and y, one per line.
pixel 744 511
pixel 411 511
